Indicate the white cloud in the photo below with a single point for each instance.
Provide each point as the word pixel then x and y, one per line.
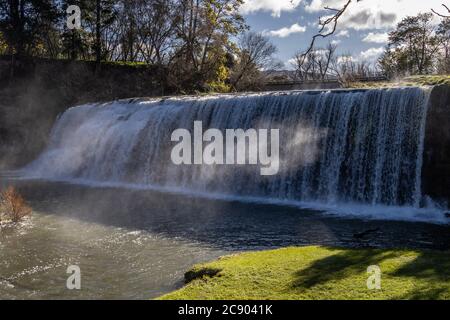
pixel 318 5
pixel 376 37
pixel 286 31
pixel 374 14
pixel 343 33
pixel 321 52
pixel 371 54
pixel 335 42
pixel 273 6
pixel 345 59
pixel 291 64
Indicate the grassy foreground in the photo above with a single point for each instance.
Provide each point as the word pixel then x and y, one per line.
pixel 320 273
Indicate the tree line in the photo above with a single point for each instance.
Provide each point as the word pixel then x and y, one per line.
pixel 325 63
pixel 418 46
pixel 202 44
pixel 205 44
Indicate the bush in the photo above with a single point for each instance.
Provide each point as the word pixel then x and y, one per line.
pixel 12 205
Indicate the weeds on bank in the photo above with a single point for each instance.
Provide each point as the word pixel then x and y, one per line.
pixel 13 207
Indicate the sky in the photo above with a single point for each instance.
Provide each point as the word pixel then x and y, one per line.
pixel 362 30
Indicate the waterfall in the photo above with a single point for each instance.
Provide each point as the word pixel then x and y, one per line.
pixel 359 146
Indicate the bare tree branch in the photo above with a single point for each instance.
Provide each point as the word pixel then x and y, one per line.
pixel 330 22
pixel 440 14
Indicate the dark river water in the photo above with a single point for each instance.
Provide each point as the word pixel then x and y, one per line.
pixel 137 244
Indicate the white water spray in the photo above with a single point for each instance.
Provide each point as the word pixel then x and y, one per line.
pixel 358 146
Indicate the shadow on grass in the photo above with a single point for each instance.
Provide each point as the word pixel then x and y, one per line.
pixel 424 293
pixel 428 265
pixel 433 268
pixel 339 266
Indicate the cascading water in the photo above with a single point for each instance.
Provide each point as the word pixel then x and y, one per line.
pixel 362 146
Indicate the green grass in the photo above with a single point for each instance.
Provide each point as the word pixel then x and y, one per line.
pixel 430 80
pixel 425 80
pixel 126 64
pixel 320 273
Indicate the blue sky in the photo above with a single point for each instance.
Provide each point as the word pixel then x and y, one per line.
pixel 362 31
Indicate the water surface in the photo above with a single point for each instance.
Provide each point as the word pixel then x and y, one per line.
pixel 138 243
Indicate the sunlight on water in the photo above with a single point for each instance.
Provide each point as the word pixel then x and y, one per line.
pixel 115 262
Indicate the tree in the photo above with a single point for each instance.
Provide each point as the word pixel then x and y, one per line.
pixel 443 34
pixel 324 59
pixel 75 42
pixel 412 46
pixel 97 15
pixel 348 70
pixel 24 22
pixel 392 62
pixel 155 30
pixel 204 29
pixel 316 65
pixel 306 65
pixel 255 53
pixel 3 44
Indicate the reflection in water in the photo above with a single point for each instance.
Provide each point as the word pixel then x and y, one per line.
pixel 138 244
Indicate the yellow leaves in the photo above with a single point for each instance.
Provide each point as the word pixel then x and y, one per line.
pixel 219 84
pixel 3 44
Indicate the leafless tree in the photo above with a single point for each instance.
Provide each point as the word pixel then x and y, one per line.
pixel 348 70
pixel 306 65
pixel 324 60
pixel 255 53
pixel 317 63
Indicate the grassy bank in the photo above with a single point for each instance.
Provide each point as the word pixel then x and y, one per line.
pixel 425 80
pixel 320 273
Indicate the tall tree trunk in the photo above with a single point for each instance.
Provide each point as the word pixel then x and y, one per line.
pixel 17 14
pixel 12 67
pixel 73 55
pixel 98 44
pixel 20 24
